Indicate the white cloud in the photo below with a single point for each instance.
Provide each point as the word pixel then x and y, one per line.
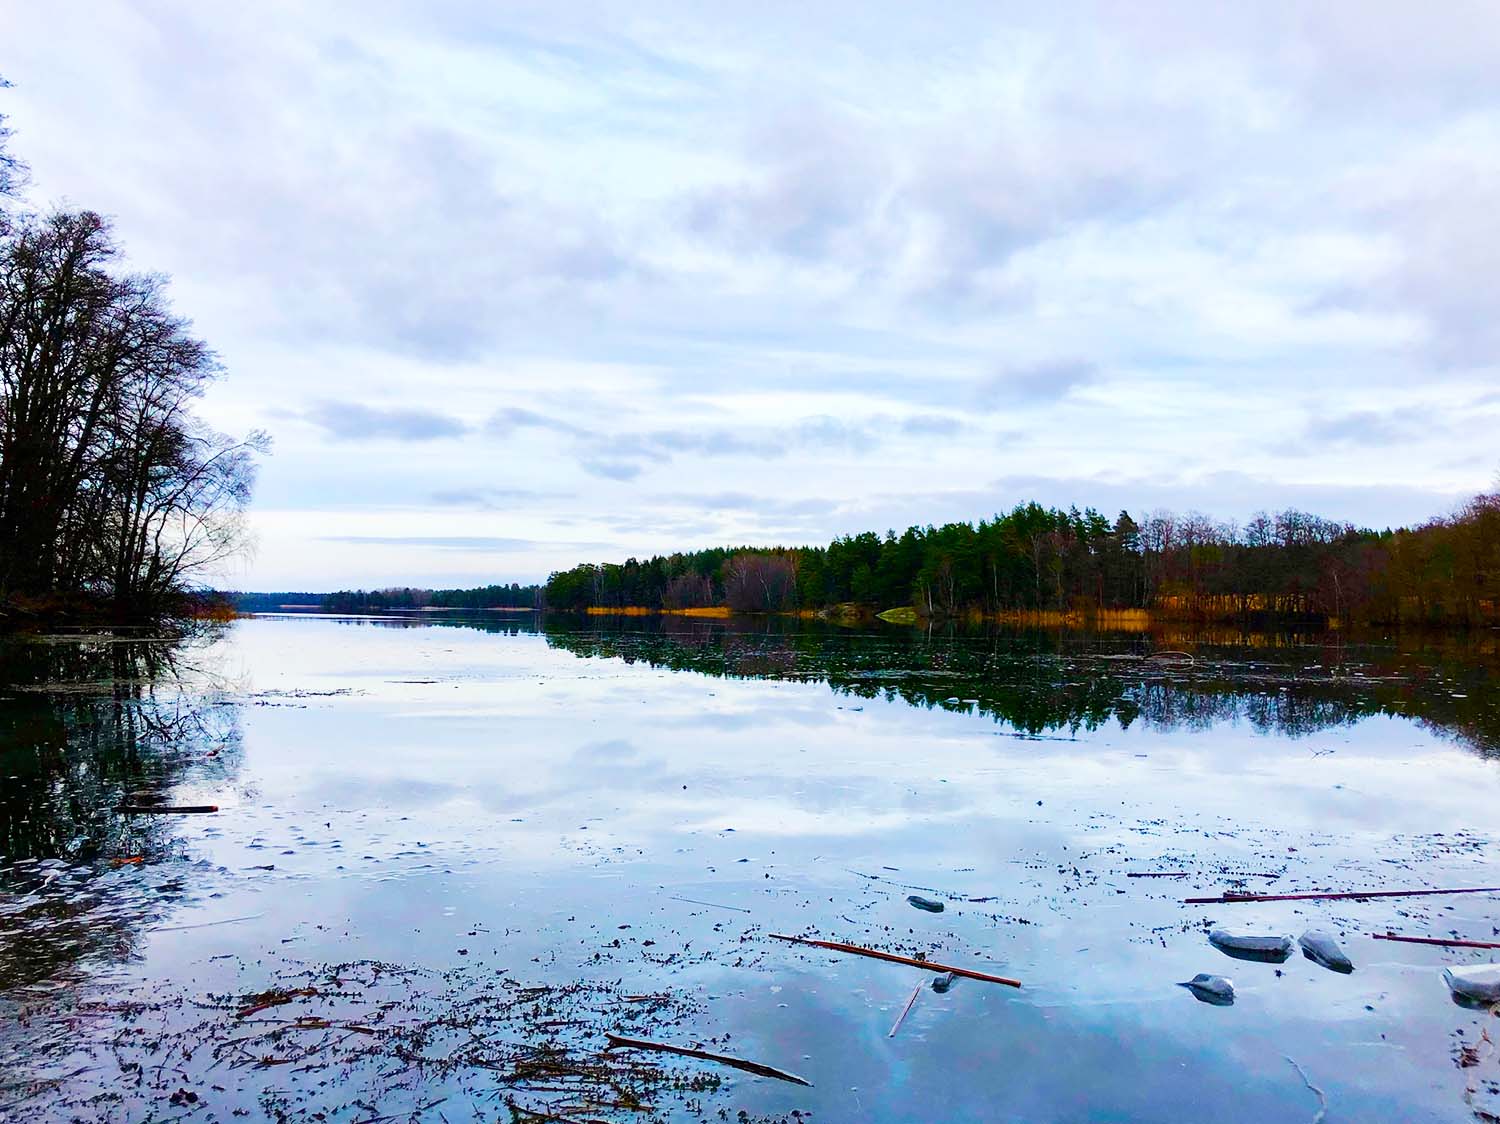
pixel 579 262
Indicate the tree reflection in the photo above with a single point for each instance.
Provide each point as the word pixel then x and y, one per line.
pixel 87 724
pixel 1054 682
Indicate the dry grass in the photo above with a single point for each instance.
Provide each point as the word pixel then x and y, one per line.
pixel 717 612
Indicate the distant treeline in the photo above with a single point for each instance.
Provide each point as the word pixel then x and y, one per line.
pixel 268 602
pixel 513 596
pixel 1287 566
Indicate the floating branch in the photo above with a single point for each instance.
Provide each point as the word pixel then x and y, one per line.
pixel 715 905
pixel 167 809
pixel 275 998
pixel 1317 1092
pixel 901 1018
pixel 616 1040
pixel 206 924
pixel 929 965
pixel 1436 940
pixel 1250 874
pixel 1157 874
pixel 1350 895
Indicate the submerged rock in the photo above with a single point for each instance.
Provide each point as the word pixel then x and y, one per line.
pixel 1321 948
pixel 1478 983
pixel 1212 989
pixel 925 903
pixel 1267 949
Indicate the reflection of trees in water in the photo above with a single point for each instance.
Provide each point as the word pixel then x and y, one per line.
pixel 1046 680
pixel 1172 706
pixel 89 723
pixel 1050 681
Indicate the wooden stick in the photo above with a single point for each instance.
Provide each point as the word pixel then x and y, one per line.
pixel 929 965
pixel 407 1112
pixel 1322 1096
pixel 723 1059
pixel 206 924
pixel 1186 873
pixel 901 1018
pixel 277 999
pixel 1225 899
pixel 716 905
pixel 167 809
pixel 1435 940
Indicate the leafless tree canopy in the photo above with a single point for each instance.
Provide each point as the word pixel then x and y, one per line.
pixel 761 583
pixel 110 486
pixel 12 171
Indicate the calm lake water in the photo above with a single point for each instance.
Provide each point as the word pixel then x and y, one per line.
pixel 595 825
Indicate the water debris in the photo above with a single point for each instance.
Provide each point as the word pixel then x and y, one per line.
pixel 205 924
pixel 1322 1097
pixel 1343 895
pixel 276 997
pixel 1479 983
pixel 929 965
pixel 1158 874
pixel 167 809
pixel 714 905
pixel 413 1113
pixel 1208 988
pixel 617 1041
pixel 1454 942
pixel 910 1003
pixel 1321 948
pixel 928 904
pixel 943 983
pixel 1241 946
pixel 534 1051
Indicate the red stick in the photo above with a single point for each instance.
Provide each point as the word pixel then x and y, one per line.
pixel 1435 940
pixel 1225 899
pixel 930 965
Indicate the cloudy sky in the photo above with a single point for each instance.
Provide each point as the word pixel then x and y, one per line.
pixel 517 285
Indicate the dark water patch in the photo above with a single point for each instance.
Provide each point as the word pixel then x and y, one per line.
pixel 365 1040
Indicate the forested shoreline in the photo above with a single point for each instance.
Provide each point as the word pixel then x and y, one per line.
pixel 1291 566
pixel 116 499
pixel 1039 562
pixel 513 596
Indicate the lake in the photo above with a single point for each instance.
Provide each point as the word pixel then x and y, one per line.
pixel 450 855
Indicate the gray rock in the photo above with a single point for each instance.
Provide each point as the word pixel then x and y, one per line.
pixel 1267 949
pixel 1478 983
pixel 925 903
pixel 1321 948
pixel 1207 988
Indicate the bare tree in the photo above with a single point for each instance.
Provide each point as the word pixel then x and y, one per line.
pixel 760 583
pixel 109 484
pixel 688 591
pixel 13 172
